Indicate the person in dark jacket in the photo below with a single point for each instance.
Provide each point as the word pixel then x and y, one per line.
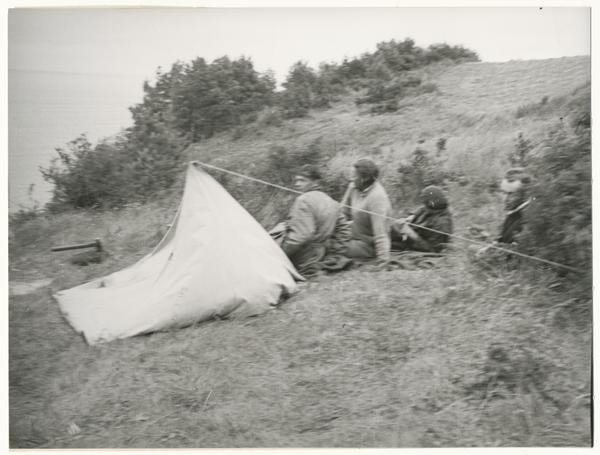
pixel 514 192
pixel 514 186
pixel 429 225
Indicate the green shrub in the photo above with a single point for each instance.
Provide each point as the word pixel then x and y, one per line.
pixel 83 178
pixel 23 217
pixel 393 90
pixel 520 156
pixel 269 204
pixel 281 164
pixel 271 118
pixel 207 98
pixel 351 70
pixel 423 169
pixel 443 51
pixel 328 87
pixel 537 109
pixel 306 89
pixel 297 98
pixel 386 74
pixel 559 222
pixel 134 166
pixel 388 94
pixel 295 102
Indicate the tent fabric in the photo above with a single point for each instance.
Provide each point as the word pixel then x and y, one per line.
pixel 216 260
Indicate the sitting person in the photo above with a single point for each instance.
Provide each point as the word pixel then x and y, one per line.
pixel 514 188
pixel 514 192
pixel 316 225
pixel 433 214
pixel 370 231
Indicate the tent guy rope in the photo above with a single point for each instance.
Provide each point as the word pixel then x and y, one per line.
pixel 555 264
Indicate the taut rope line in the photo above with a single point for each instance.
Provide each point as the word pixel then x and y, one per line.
pixel 556 264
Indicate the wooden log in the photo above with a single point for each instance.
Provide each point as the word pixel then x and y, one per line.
pixel 96 243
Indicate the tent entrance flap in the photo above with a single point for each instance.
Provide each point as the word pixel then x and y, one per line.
pixel 215 260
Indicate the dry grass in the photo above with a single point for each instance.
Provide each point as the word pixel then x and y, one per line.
pixel 455 356
pixel 396 359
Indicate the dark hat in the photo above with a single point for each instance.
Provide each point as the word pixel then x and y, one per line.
pixel 434 198
pixel 310 171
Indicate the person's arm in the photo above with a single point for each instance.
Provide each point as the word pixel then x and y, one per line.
pixel 511 226
pixel 438 241
pixel 418 242
pixel 399 227
pixel 381 233
pixel 301 227
pixel 279 232
pixel 435 241
pixel 341 234
pixel 346 200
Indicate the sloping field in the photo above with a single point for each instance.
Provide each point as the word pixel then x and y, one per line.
pixel 473 108
pixel 456 356
pixel 495 87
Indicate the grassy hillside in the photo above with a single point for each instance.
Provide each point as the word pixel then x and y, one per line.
pixel 474 109
pixel 456 356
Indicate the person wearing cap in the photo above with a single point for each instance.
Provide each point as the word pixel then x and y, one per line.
pixel 316 225
pixel 369 208
pixel 514 193
pixel 429 225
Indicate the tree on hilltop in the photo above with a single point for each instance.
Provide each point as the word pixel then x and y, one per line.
pixel 218 96
pixel 296 100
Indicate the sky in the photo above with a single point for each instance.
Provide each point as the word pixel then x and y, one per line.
pixel 136 41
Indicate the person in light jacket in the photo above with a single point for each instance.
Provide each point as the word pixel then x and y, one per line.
pixel 316 226
pixel 514 188
pixel 369 210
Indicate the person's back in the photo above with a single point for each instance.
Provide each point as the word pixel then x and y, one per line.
pixel 365 225
pixel 316 225
pixel 313 220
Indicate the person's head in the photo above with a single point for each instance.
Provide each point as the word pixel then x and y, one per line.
pixel 514 188
pixel 434 198
pixel 307 178
pixel 364 173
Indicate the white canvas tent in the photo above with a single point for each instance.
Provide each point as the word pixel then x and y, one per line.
pixel 215 260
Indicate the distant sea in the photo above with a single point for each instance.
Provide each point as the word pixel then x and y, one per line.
pixel 47 110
